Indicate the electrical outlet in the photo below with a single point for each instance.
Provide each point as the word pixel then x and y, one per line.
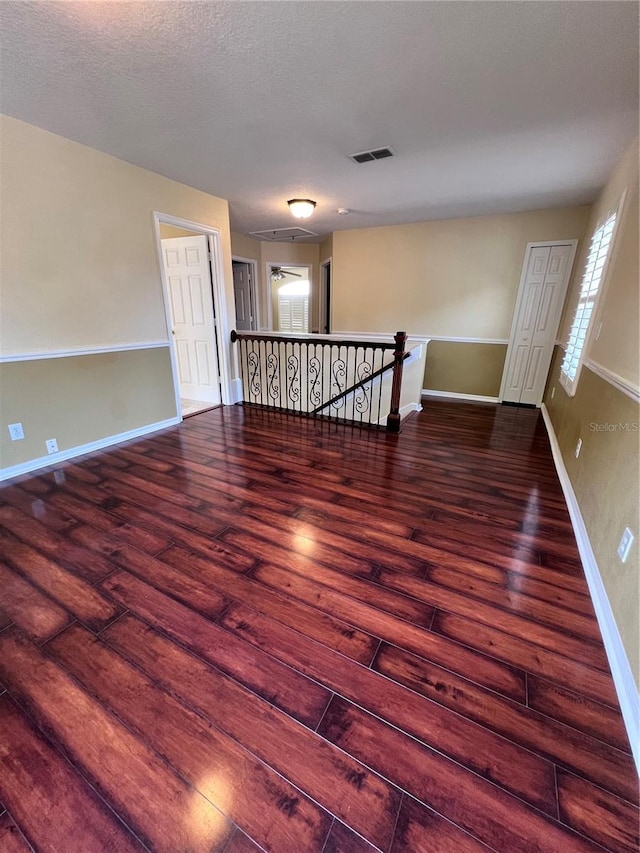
pixel 52 445
pixel 625 544
pixel 16 432
pixel 553 392
pixel 578 447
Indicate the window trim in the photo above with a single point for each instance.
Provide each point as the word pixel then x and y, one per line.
pixel 571 385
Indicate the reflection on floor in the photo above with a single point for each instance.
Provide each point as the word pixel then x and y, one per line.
pixel 192 407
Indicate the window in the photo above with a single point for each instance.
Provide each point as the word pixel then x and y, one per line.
pixel 590 287
pixel 293 307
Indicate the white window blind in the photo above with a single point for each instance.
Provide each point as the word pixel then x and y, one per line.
pixel 589 289
pixel 294 314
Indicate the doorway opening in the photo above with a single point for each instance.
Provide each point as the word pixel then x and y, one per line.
pixel 194 304
pixel 324 301
pixel 245 282
pixel 290 298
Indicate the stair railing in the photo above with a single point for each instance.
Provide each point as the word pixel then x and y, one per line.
pixel 350 381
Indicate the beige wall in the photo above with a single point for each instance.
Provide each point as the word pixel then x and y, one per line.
pixel 56 398
pixel 79 267
pixel 465 368
pixel 450 278
pixel 326 248
pixel 245 247
pixel 605 477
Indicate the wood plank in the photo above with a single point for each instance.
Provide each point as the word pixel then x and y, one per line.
pixel 597 814
pixel 74 593
pixel 5 619
pixel 241 844
pixel 343 840
pixel 50 802
pixel 173 531
pixel 92 567
pixel 527 584
pixel 301 554
pixel 334 780
pixel 421 829
pixel 335 580
pixel 119 530
pixel 179 585
pixel 11 839
pixel 498 676
pixel 32 610
pixel 599 721
pixel 516 591
pixel 151 798
pixel 495 758
pixel 472 527
pixel 340 537
pixel 332 632
pixel 278 684
pixel 486 812
pixel 517 652
pixel 52 518
pixel 581 642
pixel 557 742
pixel 253 796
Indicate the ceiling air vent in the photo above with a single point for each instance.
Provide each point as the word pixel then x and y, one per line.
pixel 278 234
pixel 374 154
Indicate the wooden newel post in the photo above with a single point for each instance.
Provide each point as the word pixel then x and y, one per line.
pixel 393 418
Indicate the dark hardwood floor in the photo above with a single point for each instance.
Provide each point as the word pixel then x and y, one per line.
pixel 253 632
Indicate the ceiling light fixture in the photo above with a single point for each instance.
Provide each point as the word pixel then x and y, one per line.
pixel 301 208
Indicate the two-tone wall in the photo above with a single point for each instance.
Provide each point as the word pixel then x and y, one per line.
pixel 455 281
pixel 84 347
pixel 604 412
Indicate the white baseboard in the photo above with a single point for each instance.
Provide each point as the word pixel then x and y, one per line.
pixel 623 679
pixel 454 395
pixel 81 449
pixel 405 411
pixel 409 409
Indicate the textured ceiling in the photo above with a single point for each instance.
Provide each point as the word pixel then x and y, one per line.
pixel 490 106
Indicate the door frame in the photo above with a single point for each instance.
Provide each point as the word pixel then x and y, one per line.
pixel 322 295
pixel 221 316
pixel 294 264
pixel 254 287
pixel 516 311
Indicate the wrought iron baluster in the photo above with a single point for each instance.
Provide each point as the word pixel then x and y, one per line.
pixel 338 383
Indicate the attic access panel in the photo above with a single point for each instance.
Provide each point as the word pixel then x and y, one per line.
pixel 275 235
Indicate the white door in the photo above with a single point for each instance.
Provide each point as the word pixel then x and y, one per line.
pixel 242 296
pixel 537 315
pixel 188 274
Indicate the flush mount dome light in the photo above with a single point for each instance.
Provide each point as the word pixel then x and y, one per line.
pixel 301 208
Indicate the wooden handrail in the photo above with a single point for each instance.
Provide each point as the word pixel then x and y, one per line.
pixel 361 384
pixel 309 339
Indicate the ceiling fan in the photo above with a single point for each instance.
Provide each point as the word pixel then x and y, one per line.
pixel 277 273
